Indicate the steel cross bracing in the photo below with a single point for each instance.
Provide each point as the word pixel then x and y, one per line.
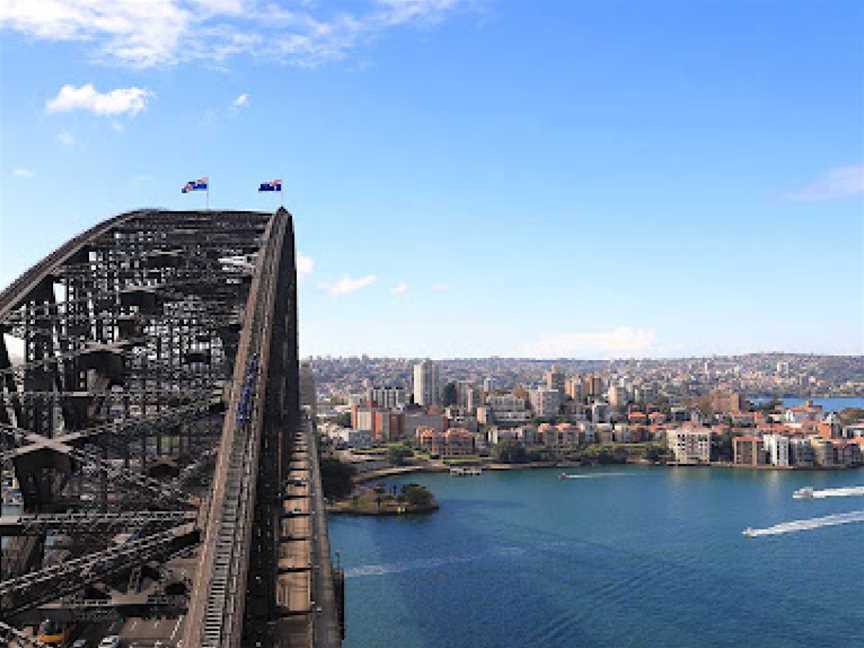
pixel 10 634
pixel 116 365
pixel 25 592
pixel 91 523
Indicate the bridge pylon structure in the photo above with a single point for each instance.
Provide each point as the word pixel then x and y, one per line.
pixel 149 424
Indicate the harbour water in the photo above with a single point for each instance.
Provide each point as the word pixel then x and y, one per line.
pixel 643 557
pixel 834 404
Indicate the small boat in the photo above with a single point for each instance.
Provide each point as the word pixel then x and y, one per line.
pixel 749 532
pixel 562 476
pixel 803 493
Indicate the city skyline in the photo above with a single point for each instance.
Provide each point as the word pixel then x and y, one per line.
pixel 472 179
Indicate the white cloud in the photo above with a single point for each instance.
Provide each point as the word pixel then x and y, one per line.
pixel 21 172
pixel 241 102
pixel 161 32
pixel 65 138
pixel 305 265
pixel 619 342
pixel 121 101
pixel 400 288
pixel 841 182
pixel 440 287
pixel 348 284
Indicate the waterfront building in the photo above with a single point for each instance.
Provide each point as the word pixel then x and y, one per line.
pixel 800 452
pixel 604 433
pixel 690 445
pixel 846 453
pixel 426 384
pixel 748 450
pixel 823 452
pixel 586 432
pixel 452 442
pixel 776 449
pixel 496 435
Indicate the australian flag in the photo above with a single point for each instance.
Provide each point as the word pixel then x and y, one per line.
pixel 200 184
pixel 271 185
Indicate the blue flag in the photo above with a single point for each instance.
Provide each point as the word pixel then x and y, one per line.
pixel 200 184
pixel 271 185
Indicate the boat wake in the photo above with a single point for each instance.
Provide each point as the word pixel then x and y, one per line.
pixel 807 525
pixel 595 475
pixel 852 491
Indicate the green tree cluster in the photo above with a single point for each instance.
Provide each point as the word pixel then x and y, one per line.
pixel 397 454
pixel 336 478
pixel 509 451
pixel 416 495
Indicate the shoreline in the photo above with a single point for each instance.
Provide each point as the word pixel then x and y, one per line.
pixel 397 471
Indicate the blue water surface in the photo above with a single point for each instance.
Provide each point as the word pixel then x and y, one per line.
pixel 628 556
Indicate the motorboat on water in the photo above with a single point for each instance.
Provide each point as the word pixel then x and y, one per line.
pixel 803 493
pixel 748 532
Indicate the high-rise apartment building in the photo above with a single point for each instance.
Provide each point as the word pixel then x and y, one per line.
pixel 573 388
pixel 554 378
pixel 546 403
pixel 426 391
pixel 389 397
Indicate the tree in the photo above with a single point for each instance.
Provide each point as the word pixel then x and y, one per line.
pixel 851 415
pixel 397 454
pixel 509 451
pixel 336 478
pixel 416 495
pixel 449 395
pixel 344 420
pixel 655 452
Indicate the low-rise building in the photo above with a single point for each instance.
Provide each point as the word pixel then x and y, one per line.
pixel 748 450
pixel 348 438
pixel 453 442
pixel 689 445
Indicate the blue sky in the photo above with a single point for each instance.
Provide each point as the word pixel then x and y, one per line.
pixel 599 179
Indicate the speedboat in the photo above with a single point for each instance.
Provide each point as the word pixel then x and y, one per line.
pixel 803 493
pixel 749 532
